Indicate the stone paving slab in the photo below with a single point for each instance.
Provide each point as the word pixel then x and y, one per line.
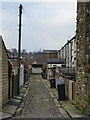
pixel 9 109
pixel 4 115
pixel 15 100
pixel 18 97
pixel 74 113
pixel 64 113
pixel 25 86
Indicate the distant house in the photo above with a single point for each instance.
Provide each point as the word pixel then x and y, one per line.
pixel 36 68
pixel 54 63
pixel 68 51
pixel 49 54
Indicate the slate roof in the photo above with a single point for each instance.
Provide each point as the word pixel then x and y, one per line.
pixel 36 65
pixel 50 51
pixel 56 61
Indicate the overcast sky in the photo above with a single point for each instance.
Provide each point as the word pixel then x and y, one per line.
pixel 45 25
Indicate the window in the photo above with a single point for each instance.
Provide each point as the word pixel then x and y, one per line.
pixel 89 60
pixel 89 25
pixel 54 65
pixel 87 39
pixel 88 70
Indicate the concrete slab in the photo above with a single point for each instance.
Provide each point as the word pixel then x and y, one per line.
pixel 16 100
pixel 18 97
pixel 4 115
pixel 21 94
pixel 10 109
pixel 74 113
pixel 18 112
pixel 24 86
pixel 64 113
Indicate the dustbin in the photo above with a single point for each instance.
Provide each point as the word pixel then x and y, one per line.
pixel 61 92
pixel 45 76
pixel 52 83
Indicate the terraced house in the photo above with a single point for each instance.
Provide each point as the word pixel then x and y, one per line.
pixel 68 52
pixel 83 57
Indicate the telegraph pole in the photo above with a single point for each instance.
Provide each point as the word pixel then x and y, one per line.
pixel 19 45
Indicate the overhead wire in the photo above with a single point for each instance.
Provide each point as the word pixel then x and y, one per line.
pixel 29 20
pixel 43 6
pixel 33 25
pixel 8 8
pixel 27 23
pixel 43 24
pixel 9 26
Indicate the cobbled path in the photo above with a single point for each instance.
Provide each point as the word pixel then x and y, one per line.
pixel 38 103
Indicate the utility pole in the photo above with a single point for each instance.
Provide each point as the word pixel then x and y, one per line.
pixel 19 46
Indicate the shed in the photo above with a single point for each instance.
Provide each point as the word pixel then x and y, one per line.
pixel 36 68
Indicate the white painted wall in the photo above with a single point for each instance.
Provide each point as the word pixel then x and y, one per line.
pixel 36 70
pixel 74 53
pixel 54 65
pixel 21 75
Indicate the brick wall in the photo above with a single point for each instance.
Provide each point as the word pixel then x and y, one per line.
pixel 0 72
pixel 49 55
pixel 4 75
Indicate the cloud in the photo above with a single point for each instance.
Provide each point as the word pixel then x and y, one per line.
pixel 0 18
pixel 39 0
pixel 65 17
pixel 46 0
pixel 46 25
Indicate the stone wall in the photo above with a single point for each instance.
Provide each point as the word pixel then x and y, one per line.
pixel 83 58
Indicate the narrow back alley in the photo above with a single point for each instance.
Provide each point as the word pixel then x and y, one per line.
pixel 38 103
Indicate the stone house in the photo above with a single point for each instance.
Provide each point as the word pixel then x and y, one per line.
pixel 68 52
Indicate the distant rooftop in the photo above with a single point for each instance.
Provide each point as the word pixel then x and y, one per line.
pixel 50 51
pixel 56 61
